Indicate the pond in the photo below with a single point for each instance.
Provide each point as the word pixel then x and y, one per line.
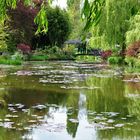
pixel 67 100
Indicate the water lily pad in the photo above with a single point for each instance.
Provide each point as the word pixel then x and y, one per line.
pixel 32 121
pixel 119 125
pixel 110 121
pixel 25 110
pixel 39 107
pixel 123 118
pixel 107 127
pixel 24 72
pixel 7 120
pixel 74 120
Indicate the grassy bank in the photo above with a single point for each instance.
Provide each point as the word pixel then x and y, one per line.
pixel 10 62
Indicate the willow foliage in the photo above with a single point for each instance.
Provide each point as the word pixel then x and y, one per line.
pixel 91 12
pixel 114 23
pixel 133 34
pixel 41 20
pixel 75 19
pixel 3 37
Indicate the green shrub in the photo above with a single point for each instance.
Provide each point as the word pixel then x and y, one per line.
pixel 8 59
pixel 115 60
pixel 60 53
pixel 38 57
pixel 130 61
pixel 59 28
pixel 94 59
pixel 133 64
pixel 3 38
pixel 10 62
pixel 17 56
pixel 137 63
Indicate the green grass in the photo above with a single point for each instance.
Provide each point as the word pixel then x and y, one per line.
pixel 10 62
pixel 38 57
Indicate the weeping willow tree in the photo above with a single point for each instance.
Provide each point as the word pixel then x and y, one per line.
pixel 91 11
pixel 114 23
pixel 133 34
pixel 75 18
pixel 3 37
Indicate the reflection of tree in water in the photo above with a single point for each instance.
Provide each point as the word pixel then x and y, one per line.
pixel 72 113
pixel 31 97
pixel 5 135
pixel 110 97
pixel 120 134
pixel 71 126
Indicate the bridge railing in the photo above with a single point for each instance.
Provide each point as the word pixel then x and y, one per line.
pixel 93 52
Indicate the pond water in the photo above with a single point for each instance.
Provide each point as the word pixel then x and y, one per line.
pixel 68 101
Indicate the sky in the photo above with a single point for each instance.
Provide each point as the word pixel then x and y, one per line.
pixel 61 3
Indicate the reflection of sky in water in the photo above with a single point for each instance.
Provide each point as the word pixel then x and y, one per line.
pixel 60 117
pixel 81 100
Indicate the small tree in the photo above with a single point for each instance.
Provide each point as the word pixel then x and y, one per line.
pixel 22 21
pixel 58 29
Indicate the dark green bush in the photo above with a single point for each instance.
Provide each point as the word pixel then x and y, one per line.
pixel 115 60
pixel 58 29
pixel 59 26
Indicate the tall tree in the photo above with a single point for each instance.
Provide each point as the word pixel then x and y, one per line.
pixel 75 18
pixel 133 34
pixel 114 23
pixel 22 21
pixel 91 11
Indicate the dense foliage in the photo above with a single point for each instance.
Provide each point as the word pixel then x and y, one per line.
pixel 91 11
pixel 58 26
pixel 58 29
pixel 75 19
pixel 22 21
pixel 133 50
pixel 133 34
pixel 3 36
pixel 114 23
pixel 111 26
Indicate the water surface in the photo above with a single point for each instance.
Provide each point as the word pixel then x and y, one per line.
pixel 68 101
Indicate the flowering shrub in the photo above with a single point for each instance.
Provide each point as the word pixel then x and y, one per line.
pixel 106 54
pixel 133 50
pixel 25 49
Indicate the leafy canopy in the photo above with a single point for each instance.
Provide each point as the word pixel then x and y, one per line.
pixel 91 12
pixel 114 23
pixel 133 34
